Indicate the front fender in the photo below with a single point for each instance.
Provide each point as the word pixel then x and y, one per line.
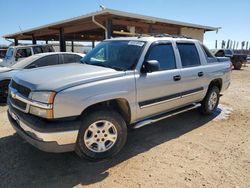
pixel 73 101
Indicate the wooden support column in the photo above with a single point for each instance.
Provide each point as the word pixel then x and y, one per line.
pixel 33 39
pixel 62 40
pixel 15 42
pixel 109 27
pixel 72 46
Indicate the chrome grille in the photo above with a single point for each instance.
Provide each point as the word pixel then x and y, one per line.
pixel 19 104
pixel 20 89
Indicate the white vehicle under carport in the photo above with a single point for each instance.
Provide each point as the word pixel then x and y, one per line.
pixel 35 61
pixel 18 53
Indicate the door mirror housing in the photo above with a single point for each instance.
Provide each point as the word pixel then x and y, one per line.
pixel 150 66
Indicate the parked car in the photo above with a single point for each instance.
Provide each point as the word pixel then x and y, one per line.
pixel 35 61
pixel 236 59
pixel 18 53
pixel 2 54
pixel 124 82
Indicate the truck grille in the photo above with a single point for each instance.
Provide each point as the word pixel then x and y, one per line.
pixel 20 89
pixel 21 105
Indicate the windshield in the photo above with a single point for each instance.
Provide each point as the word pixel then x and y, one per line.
pixel 119 55
pixel 9 53
pixel 24 62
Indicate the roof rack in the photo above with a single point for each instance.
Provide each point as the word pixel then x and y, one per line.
pixel 164 35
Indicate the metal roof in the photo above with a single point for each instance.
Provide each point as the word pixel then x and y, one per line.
pixel 147 19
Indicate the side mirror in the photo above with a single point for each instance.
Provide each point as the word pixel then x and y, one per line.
pixel 150 66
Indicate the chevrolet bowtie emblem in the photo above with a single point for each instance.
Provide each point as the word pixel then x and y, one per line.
pixel 13 95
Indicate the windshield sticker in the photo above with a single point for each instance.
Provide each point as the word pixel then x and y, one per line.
pixel 136 43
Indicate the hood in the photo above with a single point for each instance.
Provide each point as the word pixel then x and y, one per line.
pixel 60 77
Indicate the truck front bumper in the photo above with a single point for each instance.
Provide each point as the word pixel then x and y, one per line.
pixel 50 136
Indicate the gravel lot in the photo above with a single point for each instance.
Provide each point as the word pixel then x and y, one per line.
pixel 188 150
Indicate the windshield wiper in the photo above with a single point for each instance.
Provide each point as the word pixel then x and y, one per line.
pixel 108 66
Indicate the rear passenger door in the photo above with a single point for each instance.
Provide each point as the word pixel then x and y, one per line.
pixel 192 73
pixel 159 91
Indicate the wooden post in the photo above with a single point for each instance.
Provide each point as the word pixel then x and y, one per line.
pixel 16 42
pixel 109 27
pixel 33 39
pixel 62 40
pixel 72 46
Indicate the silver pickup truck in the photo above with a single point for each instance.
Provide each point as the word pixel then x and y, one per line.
pixel 123 82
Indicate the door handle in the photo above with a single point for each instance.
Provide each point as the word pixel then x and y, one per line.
pixel 200 74
pixel 177 77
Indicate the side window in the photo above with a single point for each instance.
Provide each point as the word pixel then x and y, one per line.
pixel 100 55
pixel 37 49
pixel 189 54
pixel 164 54
pixel 70 58
pixel 78 58
pixel 23 52
pixel 45 61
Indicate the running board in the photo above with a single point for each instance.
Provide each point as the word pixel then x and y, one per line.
pixel 166 115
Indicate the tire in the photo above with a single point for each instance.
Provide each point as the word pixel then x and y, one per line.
pixel 237 65
pixel 4 91
pixel 211 101
pixel 93 124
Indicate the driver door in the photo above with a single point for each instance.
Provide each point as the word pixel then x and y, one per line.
pixel 159 91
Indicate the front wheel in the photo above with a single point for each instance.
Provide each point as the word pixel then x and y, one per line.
pixel 102 135
pixel 4 91
pixel 211 101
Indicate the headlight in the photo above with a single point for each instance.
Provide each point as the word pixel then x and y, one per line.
pixel 44 97
pixel 41 104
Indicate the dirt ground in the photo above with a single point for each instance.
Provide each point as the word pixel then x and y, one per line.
pixel 188 150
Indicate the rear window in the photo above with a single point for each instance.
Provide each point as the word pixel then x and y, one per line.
pixel 189 54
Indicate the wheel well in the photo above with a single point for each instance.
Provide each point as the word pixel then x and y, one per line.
pixel 120 105
pixel 217 83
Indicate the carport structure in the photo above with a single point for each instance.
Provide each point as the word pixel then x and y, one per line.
pixel 107 23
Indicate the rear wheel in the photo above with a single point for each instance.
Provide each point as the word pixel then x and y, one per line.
pixel 102 135
pixel 4 91
pixel 237 65
pixel 211 101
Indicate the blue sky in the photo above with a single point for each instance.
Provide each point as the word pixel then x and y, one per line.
pixel 232 16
